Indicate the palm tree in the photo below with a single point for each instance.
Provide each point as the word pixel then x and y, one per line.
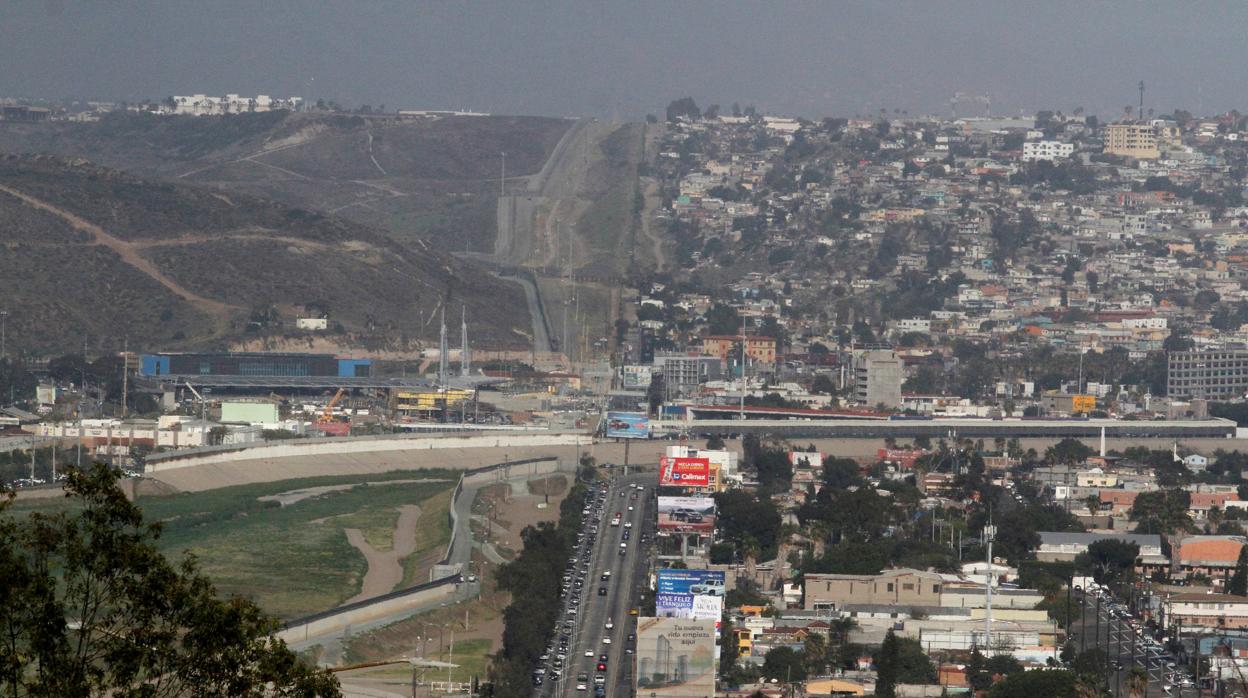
pixel 1137 683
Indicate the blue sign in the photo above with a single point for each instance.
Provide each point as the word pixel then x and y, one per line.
pixel 628 425
pixel 673 605
pixel 691 582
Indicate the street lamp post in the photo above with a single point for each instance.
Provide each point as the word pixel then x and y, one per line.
pixel 4 316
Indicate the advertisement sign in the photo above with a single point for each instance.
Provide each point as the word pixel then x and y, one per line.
pixel 903 458
pixel 1082 403
pixel 673 605
pixel 636 377
pixel 705 582
pixel 675 658
pixel 684 472
pixel 628 425
pixel 708 608
pixel 689 606
pixel 805 459
pixel 695 514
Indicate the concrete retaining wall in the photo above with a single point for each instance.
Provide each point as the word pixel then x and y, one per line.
pixel 338 620
pixel 370 444
pixel 406 602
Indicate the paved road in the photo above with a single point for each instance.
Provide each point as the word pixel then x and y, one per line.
pixel 628 573
pixel 1120 642
pixel 537 315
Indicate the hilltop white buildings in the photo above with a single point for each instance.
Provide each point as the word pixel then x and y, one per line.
pixel 210 105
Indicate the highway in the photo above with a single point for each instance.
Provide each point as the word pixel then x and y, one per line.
pixel 1115 636
pixel 627 572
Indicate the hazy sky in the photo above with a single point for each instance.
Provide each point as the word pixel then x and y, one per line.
pixel 628 58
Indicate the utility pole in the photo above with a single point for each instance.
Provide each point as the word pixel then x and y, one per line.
pixel 125 374
pixel 990 534
pixel 4 316
pixel 465 358
pixel 502 176
pixel 743 384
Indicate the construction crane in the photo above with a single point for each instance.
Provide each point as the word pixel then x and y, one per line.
pixel 328 415
pixel 203 404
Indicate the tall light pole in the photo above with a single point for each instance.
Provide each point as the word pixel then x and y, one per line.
pixel 990 534
pixel 4 315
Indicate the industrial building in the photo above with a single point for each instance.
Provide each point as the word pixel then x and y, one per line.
pixel 253 365
pixel 877 378
pixel 1221 374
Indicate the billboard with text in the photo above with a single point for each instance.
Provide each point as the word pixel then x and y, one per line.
pixel 707 582
pixel 684 472
pixel 693 514
pixel 675 658
pixel 628 425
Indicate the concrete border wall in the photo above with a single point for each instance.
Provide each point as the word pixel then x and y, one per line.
pixel 338 620
pixel 295 448
pixel 404 602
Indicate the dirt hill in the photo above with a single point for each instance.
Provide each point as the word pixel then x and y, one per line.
pixel 417 178
pixel 91 252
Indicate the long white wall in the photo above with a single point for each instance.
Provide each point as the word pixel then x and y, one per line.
pixel 321 447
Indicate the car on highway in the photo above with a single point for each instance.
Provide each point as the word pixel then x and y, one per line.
pixel 589 653
pixel 630 507
pixel 628 524
pixel 606 575
pixel 606 640
pixel 600 679
pixel 609 624
pixel 602 591
pixel 582 682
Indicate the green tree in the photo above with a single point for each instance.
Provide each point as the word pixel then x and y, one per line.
pixel 1239 581
pixel 723 320
pixel 89 606
pixel 815 654
pixel 784 664
pixel 1162 511
pixel 1110 561
pixel 900 660
pixel 1050 683
pixel 729 650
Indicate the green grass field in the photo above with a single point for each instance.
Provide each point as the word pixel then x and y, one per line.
pixel 294 560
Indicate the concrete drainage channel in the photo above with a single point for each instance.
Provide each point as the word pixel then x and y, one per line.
pixel 447 583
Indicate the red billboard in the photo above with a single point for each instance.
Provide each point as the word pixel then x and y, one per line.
pixel 685 472
pixel 903 458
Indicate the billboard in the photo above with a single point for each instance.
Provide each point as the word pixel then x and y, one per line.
pixel 1082 403
pixel 903 458
pixel 688 606
pixel 695 514
pixel 673 605
pixel 684 472
pixel 636 377
pixel 707 582
pixel 675 658
pixel 628 425
pixel 805 459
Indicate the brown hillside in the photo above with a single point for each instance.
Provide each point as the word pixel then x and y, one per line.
pixel 86 251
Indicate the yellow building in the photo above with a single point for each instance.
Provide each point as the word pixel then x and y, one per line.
pixel 1132 140
pixel 422 403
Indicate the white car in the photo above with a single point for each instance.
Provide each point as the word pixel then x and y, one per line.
pixel 589 653
pixel 628 524
pixel 606 640
pixel 609 624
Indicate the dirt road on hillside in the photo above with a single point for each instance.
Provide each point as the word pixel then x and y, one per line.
pixel 129 254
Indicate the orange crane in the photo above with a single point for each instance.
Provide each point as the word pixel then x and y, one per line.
pixel 328 415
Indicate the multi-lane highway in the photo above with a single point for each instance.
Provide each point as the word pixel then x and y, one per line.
pixel 592 650
pixel 1107 624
